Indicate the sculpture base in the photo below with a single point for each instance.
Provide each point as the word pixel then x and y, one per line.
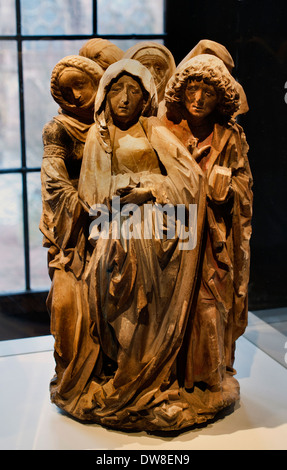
pixel 190 408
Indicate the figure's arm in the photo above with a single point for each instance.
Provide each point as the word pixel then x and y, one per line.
pixel 233 175
pixel 61 207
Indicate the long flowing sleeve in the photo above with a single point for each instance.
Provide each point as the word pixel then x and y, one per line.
pixel 61 222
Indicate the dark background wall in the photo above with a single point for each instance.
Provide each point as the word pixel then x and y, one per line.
pixel 255 33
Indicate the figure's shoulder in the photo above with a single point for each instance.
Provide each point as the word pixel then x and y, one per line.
pixel 234 127
pixel 163 139
pixel 54 133
pixel 166 127
pixel 156 127
pixel 230 131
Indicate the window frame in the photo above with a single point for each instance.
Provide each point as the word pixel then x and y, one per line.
pixel 23 169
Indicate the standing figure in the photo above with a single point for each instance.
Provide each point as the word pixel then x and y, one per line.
pixel 160 62
pixel 142 189
pixel 201 99
pixel 74 83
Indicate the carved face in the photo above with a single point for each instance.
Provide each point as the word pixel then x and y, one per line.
pixel 158 68
pixel 77 88
pixel 126 101
pixel 200 99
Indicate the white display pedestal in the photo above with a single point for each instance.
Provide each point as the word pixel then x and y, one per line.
pixel 30 421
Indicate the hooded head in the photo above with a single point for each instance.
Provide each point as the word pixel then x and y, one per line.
pixel 74 84
pixel 206 46
pixel 139 73
pixel 158 59
pixel 212 71
pixel 101 51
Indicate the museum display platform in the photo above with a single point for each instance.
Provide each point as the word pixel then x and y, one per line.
pixel 259 421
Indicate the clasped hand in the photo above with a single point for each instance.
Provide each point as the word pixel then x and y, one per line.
pixel 134 195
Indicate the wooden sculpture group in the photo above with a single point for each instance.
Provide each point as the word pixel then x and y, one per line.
pixel 147 202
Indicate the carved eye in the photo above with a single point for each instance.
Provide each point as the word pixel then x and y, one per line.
pixel 191 88
pixel 115 89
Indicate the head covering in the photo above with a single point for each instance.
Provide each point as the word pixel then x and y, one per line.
pixel 101 51
pixel 206 46
pixel 93 70
pixel 113 72
pixel 147 49
pixel 139 72
pixel 69 114
pixel 213 71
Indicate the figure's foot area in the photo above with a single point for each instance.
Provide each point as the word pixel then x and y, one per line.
pixel 175 409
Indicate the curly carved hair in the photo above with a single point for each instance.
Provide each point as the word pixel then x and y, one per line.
pixel 212 71
pixel 80 63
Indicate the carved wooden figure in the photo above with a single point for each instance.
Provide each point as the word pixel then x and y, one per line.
pixel 148 247
pixel 74 84
pixel 201 99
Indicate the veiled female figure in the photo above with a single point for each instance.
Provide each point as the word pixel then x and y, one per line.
pixel 201 98
pixel 74 83
pixel 158 59
pixel 140 287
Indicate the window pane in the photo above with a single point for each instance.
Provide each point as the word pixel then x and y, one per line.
pixel 38 254
pixel 9 111
pixel 39 104
pixel 52 17
pixel 7 17
pixel 130 17
pixel 125 44
pixel 11 234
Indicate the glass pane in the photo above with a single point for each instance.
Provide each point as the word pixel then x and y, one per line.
pixel 9 111
pixel 11 234
pixel 38 254
pixel 7 17
pixel 52 17
pixel 39 104
pixel 130 17
pixel 125 44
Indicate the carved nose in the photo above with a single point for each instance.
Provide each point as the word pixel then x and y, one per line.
pixel 124 97
pixel 199 97
pixel 77 94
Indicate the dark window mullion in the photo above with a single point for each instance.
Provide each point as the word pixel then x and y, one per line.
pixel 23 170
pixel 164 20
pixel 95 17
pixel 73 37
pixel 23 149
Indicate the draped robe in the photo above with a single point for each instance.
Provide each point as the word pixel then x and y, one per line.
pixel 138 297
pixel 220 307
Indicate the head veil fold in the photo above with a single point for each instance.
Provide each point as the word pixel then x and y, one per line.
pixel 98 148
pixel 136 70
pixel 68 113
